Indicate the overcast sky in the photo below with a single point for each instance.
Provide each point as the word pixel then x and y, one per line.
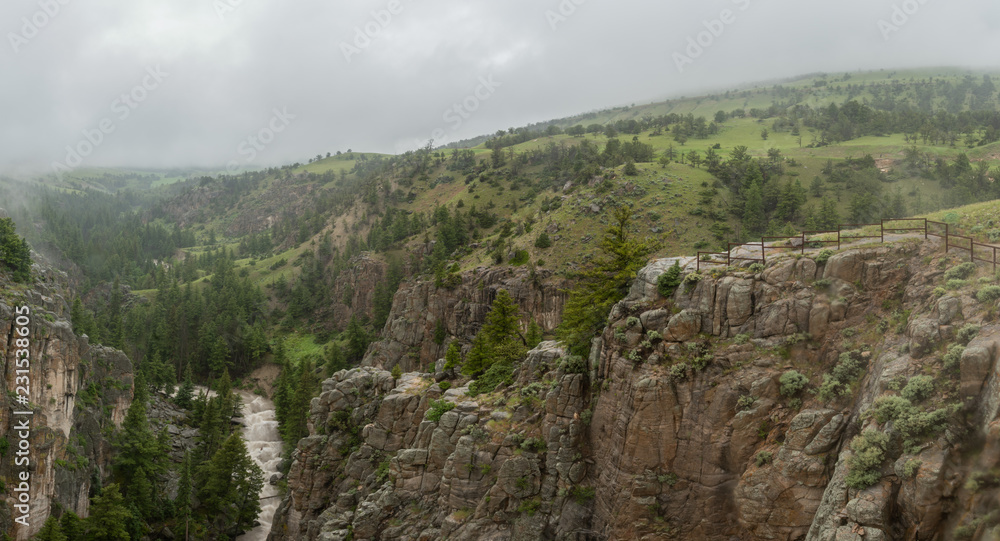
pixel 189 82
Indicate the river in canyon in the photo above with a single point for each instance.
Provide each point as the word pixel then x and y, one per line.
pixel 260 431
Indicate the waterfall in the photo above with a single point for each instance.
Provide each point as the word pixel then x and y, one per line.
pixel 260 431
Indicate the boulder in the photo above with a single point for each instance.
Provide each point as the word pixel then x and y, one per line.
pixel 949 310
pixel 683 327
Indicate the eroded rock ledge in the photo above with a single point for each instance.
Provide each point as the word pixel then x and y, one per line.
pixel 677 427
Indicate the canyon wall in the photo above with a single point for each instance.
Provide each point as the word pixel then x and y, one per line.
pixel 681 424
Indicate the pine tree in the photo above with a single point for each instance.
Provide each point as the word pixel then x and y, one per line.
pixel 334 360
pixel 357 340
pixel 792 196
pixel 232 485
pixel 198 406
pixel 440 332
pixel 159 374
pixel 182 503
pixel 108 516
pixel 897 208
pixel 113 318
pixel 543 241
pixel 499 341
pixel 185 393
pixel 828 217
pixel 15 254
pixel 140 459
pixel 602 283
pixel 453 357
pixel 71 526
pixel 386 289
pixel 816 187
pixel 753 211
pixel 534 334
pixel 83 321
pixel 209 430
pixel 51 531
pixel 752 176
pixel 282 395
pixel 809 222
pixel 227 399
pixel 297 416
pixel 478 359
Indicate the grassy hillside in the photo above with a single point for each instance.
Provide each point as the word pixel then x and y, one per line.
pixel 679 203
pixel 891 144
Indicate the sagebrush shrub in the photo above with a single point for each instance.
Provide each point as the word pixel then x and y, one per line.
pixel 960 272
pixel 918 388
pixel 792 382
pixel 869 453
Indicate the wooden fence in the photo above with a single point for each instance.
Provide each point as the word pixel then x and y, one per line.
pixel 985 253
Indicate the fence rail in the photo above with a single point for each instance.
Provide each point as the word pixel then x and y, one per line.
pixel 984 253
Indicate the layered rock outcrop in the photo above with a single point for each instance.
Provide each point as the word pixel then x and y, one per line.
pixel 77 393
pixel 418 307
pixel 408 460
pixel 733 409
pixel 353 291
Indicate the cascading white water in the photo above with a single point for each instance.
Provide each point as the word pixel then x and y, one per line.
pixel 260 431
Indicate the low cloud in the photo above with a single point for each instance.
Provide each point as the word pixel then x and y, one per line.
pixel 382 75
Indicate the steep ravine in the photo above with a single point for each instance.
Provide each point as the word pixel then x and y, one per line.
pixel 676 427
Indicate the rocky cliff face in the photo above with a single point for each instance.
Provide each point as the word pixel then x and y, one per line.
pixel 78 393
pixel 382 465
pixel 408 337
pixel 681 425
pixel 354 291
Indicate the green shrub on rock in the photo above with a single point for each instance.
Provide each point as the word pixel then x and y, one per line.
pixel 869 453
pixel 792 382
pixel 667 283
pixel 573 364
pixel 960 272
pixel 967 333
pixel 438 408
pixel 953 357
pixel 988 294
pixel 918 388
pixel 837 383
pixel 823 256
